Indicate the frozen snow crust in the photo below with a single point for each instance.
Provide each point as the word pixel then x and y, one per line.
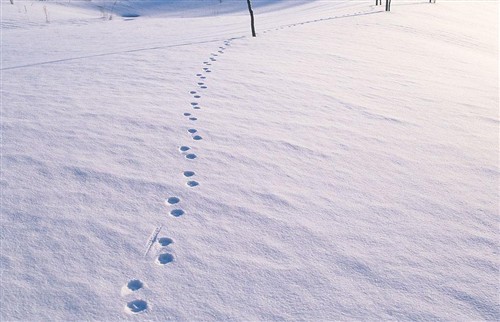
pixel 163 165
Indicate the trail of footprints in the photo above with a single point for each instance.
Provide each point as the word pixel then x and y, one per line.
pixel 134 287
pixel 317 20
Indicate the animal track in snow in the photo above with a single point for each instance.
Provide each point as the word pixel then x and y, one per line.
pixel 177 212
pixel 196 107
pixel 131 286
pixel 165 258
pixel 164 241
pixel 173 200
pixel 136 306
pixel 135 285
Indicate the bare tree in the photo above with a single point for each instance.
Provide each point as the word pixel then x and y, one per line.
pixel 387 5
pixel 252 20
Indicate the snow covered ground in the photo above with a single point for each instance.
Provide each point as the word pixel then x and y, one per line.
pixel 342 165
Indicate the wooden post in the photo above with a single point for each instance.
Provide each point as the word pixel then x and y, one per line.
pixel 252 20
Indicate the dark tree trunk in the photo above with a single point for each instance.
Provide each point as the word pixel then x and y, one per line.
pixel 252 20
pixel 387 5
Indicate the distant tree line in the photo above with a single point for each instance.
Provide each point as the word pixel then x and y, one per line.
pixel 388 3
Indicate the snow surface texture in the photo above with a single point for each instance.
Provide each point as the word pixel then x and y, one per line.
pixel 342 165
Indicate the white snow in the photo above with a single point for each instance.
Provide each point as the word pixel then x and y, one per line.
pixel 347 166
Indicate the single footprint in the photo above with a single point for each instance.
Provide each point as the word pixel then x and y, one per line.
pixel 197 96
pixel 187 114
pixel 193 118
pixel 201 83
pixel 199 75
pixel 205 68
pixel 134 285
pixel 196 108
pixel 192 183
pixel 192 92
pixel 203 77
pixel 177 212
pixel 209 71
pixel 191 156
pixel 189 173
pixel 194 103
pixel 173 200
pixel 197 137
pixel 165 258
pixel 184 148
pixel 204 87
pixel 136 306
pixel 192 131
pixel 164 241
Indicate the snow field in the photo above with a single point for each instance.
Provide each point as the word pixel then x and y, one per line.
pixel 342 165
